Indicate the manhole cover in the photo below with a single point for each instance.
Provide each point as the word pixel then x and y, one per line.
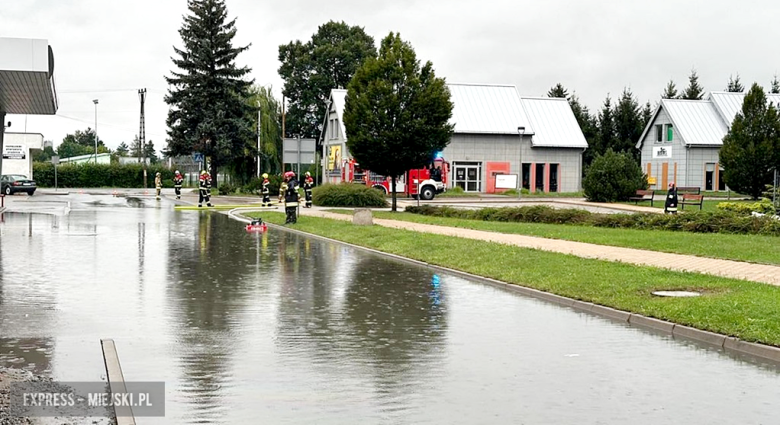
pixel 676 294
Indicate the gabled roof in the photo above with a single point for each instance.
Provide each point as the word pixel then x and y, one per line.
pixel 338 97
pixel 729 104
pixel 702 122
pixel 486 109
pixel 553 123
pixel 499 109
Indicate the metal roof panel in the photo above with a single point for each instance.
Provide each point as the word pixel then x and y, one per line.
pixel 553 123
pixel 697 121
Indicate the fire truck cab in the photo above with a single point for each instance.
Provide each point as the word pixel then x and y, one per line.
pixel 423 182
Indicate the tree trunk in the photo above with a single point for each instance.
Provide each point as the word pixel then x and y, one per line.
pixel 213 173
pixel 392 190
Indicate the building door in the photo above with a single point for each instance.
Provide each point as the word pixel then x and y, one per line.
pixel 553 177
pixel 721 183
pixel 539 177
pixel 526 176
pixel 709 176
pixel 664 176
pixel 468 176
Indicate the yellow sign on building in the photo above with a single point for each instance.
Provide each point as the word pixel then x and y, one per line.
pixel 651 180
pixel 334 158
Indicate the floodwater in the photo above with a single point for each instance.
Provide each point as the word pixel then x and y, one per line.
pixel 278 328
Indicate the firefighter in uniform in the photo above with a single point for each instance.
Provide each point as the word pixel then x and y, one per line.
pixel 282 188
pixel 158 184
pixel 178 180
pixel 308 184
pixel 204 189
pixel 291 198
pixel 266 191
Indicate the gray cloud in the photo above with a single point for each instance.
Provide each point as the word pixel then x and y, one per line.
pixel 108 49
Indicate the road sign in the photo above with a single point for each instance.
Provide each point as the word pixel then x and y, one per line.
pixel 55 160
pixel 197 157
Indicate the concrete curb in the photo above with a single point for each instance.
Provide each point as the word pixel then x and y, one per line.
pixel 116 381
pixel 723 342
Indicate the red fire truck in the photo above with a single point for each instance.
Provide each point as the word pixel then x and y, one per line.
pixel 413 182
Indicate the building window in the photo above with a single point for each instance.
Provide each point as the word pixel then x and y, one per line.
pixel 336 128
pixel 540 177
pixel 526 176
pixel 669 133
pixel 659 133
pixel 468 176
pixel 709 176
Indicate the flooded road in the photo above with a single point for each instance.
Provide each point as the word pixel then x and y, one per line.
pixel 281 329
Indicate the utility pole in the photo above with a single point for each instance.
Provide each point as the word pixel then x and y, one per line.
pixel 259 129
pixel 95 101
pixel 142 132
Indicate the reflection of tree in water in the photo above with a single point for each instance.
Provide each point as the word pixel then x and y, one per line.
pixel 207 290
pixel 347 308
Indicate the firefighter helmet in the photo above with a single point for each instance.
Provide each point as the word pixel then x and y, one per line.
pixel 203 172
pixel 289 174
pixel 308 174
pixel 265 175
pixel 176 172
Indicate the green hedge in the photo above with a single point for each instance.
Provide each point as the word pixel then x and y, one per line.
pixel 348 195
pixel 100 175
pixel 695 221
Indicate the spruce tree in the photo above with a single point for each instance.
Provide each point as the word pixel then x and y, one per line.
pixel 628 124
pixel 734 85
pixel 670 92
pixel 209 112
pixel 775 86
pixel 558 91
pixel 694 91
pixel 751 148
pixel 647 114
pixel 588 125
pixel 607 135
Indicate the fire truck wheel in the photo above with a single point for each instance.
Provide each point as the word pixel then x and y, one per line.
pixel 427 193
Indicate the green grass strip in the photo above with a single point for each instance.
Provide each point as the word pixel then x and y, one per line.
pixel 750 248
pixel 747 310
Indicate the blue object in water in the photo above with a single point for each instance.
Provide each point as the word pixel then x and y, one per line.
pixel 435 281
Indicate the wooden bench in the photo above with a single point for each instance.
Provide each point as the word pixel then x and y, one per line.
pixel 643 195
pixel 690 190
pixel 691 199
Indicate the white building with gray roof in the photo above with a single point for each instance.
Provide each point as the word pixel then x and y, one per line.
pixel 682 141
pixel 496 132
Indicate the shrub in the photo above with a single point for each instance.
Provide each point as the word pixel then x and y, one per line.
pixel 764 206
pixel 613 177
pixel 695 221
pixel 525 191
pixel 100 175
pixel 348 195
pixel 226 189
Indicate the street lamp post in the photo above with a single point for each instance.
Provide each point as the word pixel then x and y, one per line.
pixel 95 101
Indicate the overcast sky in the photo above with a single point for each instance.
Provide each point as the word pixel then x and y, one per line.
pixel 107 49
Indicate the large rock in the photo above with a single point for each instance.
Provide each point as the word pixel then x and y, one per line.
pixel 363 217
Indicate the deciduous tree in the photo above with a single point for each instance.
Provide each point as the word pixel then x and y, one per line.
pixel 397 113
pixel 208 108
pixel 311 70
pixel 750 149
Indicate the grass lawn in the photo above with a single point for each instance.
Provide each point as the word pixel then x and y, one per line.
pixel 750 311
pixel 752 248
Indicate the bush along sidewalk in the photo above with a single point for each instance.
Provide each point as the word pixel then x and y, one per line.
pixel 694 221
pixel 348 195
pixel 618 285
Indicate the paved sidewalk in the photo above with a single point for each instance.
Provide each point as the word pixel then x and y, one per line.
pixel 678 262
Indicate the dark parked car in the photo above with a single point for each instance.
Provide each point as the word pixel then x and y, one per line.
pixel 12 183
